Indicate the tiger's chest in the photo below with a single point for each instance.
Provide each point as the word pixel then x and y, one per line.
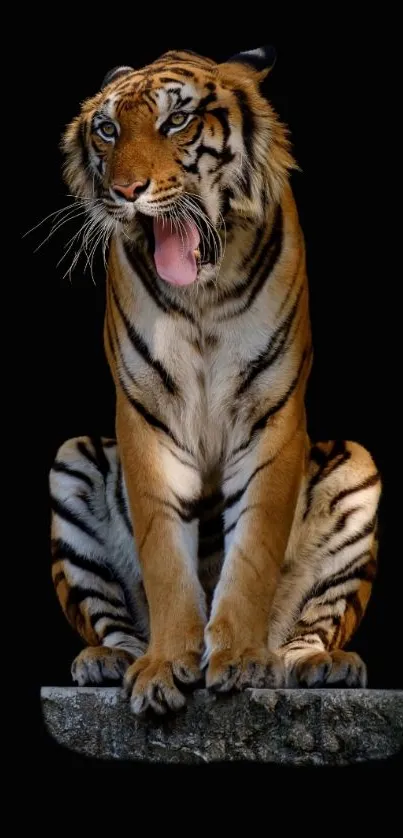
pixel 190 372
pixel 206 370
pixel 203 408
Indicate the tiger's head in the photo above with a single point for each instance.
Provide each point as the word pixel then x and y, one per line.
pixel 166 152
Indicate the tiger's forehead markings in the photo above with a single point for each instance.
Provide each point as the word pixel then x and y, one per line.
pixel 163 94
pixel 162 85
pixel 153 72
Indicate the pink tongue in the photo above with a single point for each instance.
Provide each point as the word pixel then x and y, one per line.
pixel 174 246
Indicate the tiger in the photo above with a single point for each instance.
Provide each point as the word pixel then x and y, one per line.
pixel 210 541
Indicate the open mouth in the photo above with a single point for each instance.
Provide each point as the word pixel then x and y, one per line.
pixel 181 248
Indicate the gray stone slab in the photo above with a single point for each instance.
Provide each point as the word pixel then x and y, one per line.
pixel 289 727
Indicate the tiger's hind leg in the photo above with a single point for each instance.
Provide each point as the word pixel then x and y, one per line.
pixel 329 568
pixel 94 565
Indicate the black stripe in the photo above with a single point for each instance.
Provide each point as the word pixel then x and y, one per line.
pixel 147 104
pixel 77 594
pixel 261 270
pixel 69 516
pixel 147 98
pixel 351 567
pixel 210 506
pixel 82 141
pixel 318 456
pixel 248 133
pixel 147 416
pixel 342 520
pixel 107 615
pixel 196 135
pixel 293 282
pixel 332 582
pixel 101 458
pixel 274 350
pixel 232 499
pixel 206 100
pixel 307 629
pixel 116 351
pixel 321 632
pixel 61 551
pixel 163 66
pixel 259 234
pixel 120 499
pixel 183 55
pixel 182 71
pixel 152 420
pixel 171 80
pixel 365 572
pixel 82 448
pixel 336 598
pixel 273 257
pixel 262 422
pixel 189 507
pixel 304 637
pixel 232 527
pixel 63 468
pixel 222 157
pixel 261 260
pixel 141 347
pixel 342 459
pixel 222 115
pixel 187 517
pixel 151 288
pixel 149 281
pixel 338 452
pixel 366 484
pixel 367 530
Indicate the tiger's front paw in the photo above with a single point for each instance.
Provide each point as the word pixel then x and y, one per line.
pixel 234 670
pixel 151 682
pixel 236 665
pixel 97 665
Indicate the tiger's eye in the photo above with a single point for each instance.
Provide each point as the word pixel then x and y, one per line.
pixel 177 119
pixel 108 129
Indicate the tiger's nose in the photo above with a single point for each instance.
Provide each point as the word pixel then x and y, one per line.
pixel 130 191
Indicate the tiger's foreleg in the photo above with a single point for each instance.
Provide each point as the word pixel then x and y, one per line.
pixel 330 567
pixel 162 487
pixel 259 509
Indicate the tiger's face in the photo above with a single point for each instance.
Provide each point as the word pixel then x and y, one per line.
pixel 166 151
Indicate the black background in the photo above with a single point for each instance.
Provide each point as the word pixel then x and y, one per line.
pixel 334 94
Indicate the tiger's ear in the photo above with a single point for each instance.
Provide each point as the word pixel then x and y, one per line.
pixel 262 59
pixel 115 73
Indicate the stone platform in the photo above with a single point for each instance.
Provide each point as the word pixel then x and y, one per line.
pixel 288 727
